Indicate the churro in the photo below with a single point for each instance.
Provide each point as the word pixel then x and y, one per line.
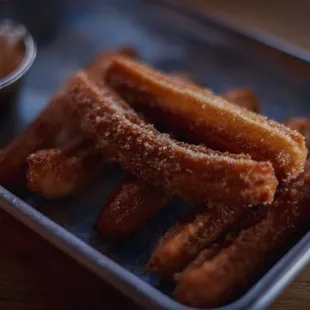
pixel 131 205
pixel 209 118
pixel 190 171
pixel 198 229
pixel 61 172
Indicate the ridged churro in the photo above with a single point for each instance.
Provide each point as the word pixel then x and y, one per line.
pixel 61 172
pixel 192 172
pixel 131 205
pixel 210 118
pixel 44 131
pixel 214 281
pixel 197 230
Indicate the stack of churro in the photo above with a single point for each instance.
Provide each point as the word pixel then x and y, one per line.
pixel 173 137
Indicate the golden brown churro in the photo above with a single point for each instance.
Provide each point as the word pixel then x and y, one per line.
pixel 58 173
pixel 197 230
pixel 192 172
pixel 216 280
pixel 45 129
pixel 129 207
pixel 209 118
pixel 302 125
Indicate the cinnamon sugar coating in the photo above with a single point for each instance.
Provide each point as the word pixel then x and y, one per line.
pixel 192 172
pixel 211 119
pixel 61 172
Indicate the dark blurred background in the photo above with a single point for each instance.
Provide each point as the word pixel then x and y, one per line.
pixel 287 19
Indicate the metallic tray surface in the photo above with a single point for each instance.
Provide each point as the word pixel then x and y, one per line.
pixel 178 40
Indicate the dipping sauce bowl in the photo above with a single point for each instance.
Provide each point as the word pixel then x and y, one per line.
pixel 17 53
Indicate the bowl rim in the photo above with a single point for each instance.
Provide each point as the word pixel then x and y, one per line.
pixel 25 64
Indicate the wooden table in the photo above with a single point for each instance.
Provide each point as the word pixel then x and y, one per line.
pixel 36 276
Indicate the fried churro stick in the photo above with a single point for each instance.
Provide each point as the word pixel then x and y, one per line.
pixel 192 172
pixel 129 207
pixel 198 229
pixel 209 118
pixel 134 202
pixel 248 219
pixel 45 129
pixel 302 125
pixel 58 173
pixel 214 281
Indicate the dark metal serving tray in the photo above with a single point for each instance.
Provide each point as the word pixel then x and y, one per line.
pixel 170 38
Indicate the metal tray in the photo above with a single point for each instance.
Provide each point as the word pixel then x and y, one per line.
pixel 170 38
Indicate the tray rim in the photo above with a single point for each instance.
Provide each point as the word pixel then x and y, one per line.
pixel 259 296
pixel 270 285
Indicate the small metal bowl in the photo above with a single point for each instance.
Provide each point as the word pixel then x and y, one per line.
pixel 10 84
